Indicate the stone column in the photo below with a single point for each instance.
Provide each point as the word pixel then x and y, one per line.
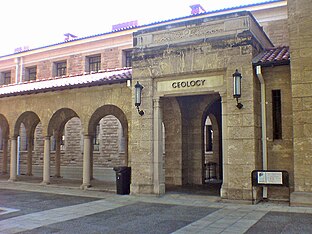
pixel 5 156
pixel 91 159
pixel 46 161
pixel 86 162
pixel 13 162
pixel 57 155
pixel 223 192
pixel 159 181
pixel 29 155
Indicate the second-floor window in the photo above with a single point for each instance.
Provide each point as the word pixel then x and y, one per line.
pixel 127 58
pixel 60 68
pixel 94 63
pixel 5 78
pixel 31 73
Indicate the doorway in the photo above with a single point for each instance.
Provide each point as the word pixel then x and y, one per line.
pixel 193 144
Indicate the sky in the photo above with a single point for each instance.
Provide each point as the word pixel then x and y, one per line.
pixel 35 23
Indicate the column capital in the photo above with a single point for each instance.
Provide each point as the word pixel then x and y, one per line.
pixel 87 137
pixel 12 138
pixel 156 102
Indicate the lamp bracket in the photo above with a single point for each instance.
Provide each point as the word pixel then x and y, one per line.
pixel 238 104
pixel 141 112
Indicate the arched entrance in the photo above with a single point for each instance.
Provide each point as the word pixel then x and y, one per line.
pixel 24 132
pixel 212 145
pixel 108 129
pixel 66 144
pixel 185 156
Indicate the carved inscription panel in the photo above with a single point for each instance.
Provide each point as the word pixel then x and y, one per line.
pixel 190 85
pixel 187 33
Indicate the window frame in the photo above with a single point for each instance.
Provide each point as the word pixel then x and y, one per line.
pixel 277 114
pixel 208 138
pixel 31 73
pixel 5 78
pixel 94 63
pixel 60 68
pixel 127 58
pixel 96 137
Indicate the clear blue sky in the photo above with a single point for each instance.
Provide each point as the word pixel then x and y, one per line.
pixel 36 23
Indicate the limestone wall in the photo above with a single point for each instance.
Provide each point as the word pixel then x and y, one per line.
pixel 280 151
pixel 300 29
pixel 184 52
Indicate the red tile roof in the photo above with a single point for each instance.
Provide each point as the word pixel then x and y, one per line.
pixel 70 82
pixel 273 57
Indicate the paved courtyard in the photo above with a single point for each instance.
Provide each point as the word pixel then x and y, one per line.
pixel 29 208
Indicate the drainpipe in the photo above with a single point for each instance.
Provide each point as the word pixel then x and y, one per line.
pixel 263 127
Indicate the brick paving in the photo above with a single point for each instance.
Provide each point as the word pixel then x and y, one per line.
pixel 34 208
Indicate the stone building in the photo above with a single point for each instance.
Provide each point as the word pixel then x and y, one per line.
pixel 68 109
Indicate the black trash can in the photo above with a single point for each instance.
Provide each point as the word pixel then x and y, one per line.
pixel 123 180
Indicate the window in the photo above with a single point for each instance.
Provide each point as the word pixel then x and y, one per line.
pixel 94 63
pixel 5 78
pixel 60 68
pixel 96 138
pixel 277 114
pixel 53 142
pixel 209 138
pixel 127 54
pixel 31 73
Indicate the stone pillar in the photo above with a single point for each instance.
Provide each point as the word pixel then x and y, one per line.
pixel 223 192
pixel 86 162
pixel 141 143
pixel 29 155
pixel 159 181
pixel 57 155
pixel 13 162
pixel 5 156
pixel 91 159
pixel 46 161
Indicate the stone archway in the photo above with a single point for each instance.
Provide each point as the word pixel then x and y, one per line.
pixel 29 121
pixel 184 163
pixel 213 152
pixel 108 131
pixel 65 132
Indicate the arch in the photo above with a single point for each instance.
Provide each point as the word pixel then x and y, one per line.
pixel 213 112
pixel 29 119
pixel 103 111
pixel 4 125
pixel 59 119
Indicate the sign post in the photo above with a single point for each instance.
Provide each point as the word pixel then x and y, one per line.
pixel 262 178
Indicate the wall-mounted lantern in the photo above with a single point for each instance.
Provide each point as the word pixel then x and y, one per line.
pixel 138 96
pixel 237 88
